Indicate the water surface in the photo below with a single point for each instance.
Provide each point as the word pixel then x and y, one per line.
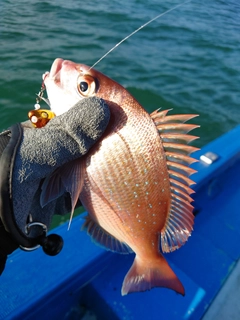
pixel 188 60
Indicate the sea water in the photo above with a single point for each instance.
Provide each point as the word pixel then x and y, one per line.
pixel 187 60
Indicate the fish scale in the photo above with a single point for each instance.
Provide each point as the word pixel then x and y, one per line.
pixel 135 179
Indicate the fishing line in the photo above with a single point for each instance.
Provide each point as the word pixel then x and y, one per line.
pixel 138 29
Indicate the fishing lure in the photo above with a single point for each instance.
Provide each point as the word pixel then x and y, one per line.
pixel 40 117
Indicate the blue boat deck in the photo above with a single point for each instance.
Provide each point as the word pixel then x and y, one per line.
pixel 226 304
pixel 84 277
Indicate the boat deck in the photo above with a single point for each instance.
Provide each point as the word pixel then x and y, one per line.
pixel 84 278
pixel 226 304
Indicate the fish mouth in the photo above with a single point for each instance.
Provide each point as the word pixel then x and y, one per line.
pixel 55 68
pixel 59 83
pixel 53 74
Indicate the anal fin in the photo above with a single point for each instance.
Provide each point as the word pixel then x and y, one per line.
pixel 105 239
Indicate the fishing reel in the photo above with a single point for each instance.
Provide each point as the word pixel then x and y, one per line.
pixel 51 244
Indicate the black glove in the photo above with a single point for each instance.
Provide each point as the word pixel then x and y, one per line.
pixel 28 155
pixel 7 246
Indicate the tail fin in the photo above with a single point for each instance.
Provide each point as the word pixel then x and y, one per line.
pixel 144 276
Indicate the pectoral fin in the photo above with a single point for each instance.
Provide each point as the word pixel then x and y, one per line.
pixel 68 178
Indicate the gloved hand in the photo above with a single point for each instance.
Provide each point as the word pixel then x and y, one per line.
pixel 29 158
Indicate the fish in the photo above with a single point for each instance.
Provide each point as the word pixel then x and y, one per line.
pixel 134 182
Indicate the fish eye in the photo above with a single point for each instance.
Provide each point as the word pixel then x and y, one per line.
pixel 86 85
pixel 83 86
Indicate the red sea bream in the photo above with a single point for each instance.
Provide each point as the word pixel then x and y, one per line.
pixel 134 183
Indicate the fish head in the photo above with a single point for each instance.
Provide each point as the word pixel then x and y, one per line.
pixel 68 82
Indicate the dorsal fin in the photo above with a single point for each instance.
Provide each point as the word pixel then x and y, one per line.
pixel 175 138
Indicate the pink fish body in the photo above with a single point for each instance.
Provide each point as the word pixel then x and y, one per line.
pixel 134 182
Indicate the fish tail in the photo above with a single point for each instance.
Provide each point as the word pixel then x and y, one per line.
pixel 143 276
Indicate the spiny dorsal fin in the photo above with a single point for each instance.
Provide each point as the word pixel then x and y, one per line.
pixel 175 138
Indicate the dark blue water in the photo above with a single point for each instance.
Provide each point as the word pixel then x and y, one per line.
pixel 188 60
